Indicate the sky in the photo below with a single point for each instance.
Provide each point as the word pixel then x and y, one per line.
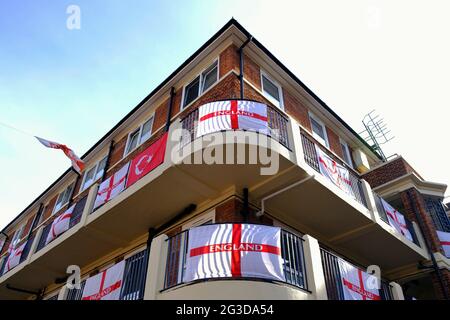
pixel 72 85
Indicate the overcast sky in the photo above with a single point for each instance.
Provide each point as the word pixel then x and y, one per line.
pixel 72 86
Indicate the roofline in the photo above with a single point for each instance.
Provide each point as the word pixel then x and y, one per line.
pixel 231 22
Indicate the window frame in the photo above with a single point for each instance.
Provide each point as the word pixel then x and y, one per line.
pixel 278 104
pixel 139 130
pixel 200 89
pixel 347 153
pixel 95 166
pixel 55 209
pixel 324 128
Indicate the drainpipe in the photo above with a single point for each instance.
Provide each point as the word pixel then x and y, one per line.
pixel 169 112
pixel 260 213
pixel 108 159
pixel 241 64
pixel 428 245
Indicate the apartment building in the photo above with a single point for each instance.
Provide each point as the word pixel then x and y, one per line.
pixel 130 219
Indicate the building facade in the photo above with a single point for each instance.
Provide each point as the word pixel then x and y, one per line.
pixel 146 226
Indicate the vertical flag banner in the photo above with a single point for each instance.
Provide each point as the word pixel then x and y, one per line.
pixel 355 284
pixel 444 238
pixel 111 187
pixel 337 174
pixel 106 285
pixel 147 160
pixel 232 114
pixel 77 163
pixel 234 250
pixel 396 220
pixel 14 257
pixel 60 225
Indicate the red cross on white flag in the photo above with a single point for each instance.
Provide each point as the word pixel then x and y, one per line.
pixel 77 163
pixel 396 220
pixel 60 225
pixel 234 250
pixel 232 114
pixel 444 238
pixel 106 285
pixel 356 283
pixel 14 257
pixel 112 186
pixel 336 173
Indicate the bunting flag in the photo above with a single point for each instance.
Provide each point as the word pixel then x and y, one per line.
pixel 77 163
pixel 147 160
pixel 396 220
pixel 60 225
pixel 337 174
pixel 234 250
pixel 444 238
pixel 357 284
pixel 232 114
pixel 106 285
pixel 14 257
pixel 112 186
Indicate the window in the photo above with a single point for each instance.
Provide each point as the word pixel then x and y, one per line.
pixel 318 130
pixel 346 153
pixel 437 212
pixel 201 83
pixel 17 235
pixel 139 136
pixel 94 173
pixel 271 90
pixel 63 198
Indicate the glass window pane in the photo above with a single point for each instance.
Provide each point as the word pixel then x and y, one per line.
pixel 317 129
pixel 270 88
pixel 345 153
pixel 146 130
pixel 191 91
pixel 209 77
pixel 133 141
pixel 89 178
pixel 100 169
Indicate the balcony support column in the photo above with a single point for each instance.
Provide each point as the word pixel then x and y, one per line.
pixel 156 267
pixel 397 291
pixel 62 294
pixel 314 270
pixel 89 205
pixel 370 200
pixel 295 142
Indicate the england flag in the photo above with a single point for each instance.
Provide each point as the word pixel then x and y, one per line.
pixel 112 186
pixel 232 114
pixel 444 238
pixel 60 225
pixel 106 285
pixel 396 220
pixel 234 250
pixel 357 284
pixel 14 257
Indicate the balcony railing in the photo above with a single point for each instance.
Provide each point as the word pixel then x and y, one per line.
pixel 277 123
pixel 383 216
pixel 333 279
pixel 310 155
pixel 74 220
pixel 133 280
pixel 23 256
pixel 291 252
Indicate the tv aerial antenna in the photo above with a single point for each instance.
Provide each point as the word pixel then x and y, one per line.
pixel 376 132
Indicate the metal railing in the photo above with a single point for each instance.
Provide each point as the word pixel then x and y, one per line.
pixel 291 252
pixel 133 279
pixel 311 158
pixel 333 279
pixel 277 123
pixel 74 220
pixel 383 216
pixel 27 248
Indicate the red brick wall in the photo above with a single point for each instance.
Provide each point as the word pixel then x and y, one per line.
pixel 387 172
pixel 252 72
pixel 231 211
pixel 229 60
pixel 445 274
pixel 333 140
pixel 296 109
pixel 49 208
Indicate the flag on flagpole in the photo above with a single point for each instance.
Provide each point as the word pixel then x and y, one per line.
pixel 77 163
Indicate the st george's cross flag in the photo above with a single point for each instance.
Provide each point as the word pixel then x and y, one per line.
pixel 14 257
pixel 396 220
pixel 147 160
pixel 357 284
pixel 60 225
pixel 336 173
pixel 106 285
pixel 234 250
pixel 444 238
pixel 112 186
pixel 232 114
pixel 77 163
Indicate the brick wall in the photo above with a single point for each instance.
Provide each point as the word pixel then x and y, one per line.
pixel 437 285
pixel 335 144
pixel 231 211
pixel 296 109
pixel 229 60
pixel 388 172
